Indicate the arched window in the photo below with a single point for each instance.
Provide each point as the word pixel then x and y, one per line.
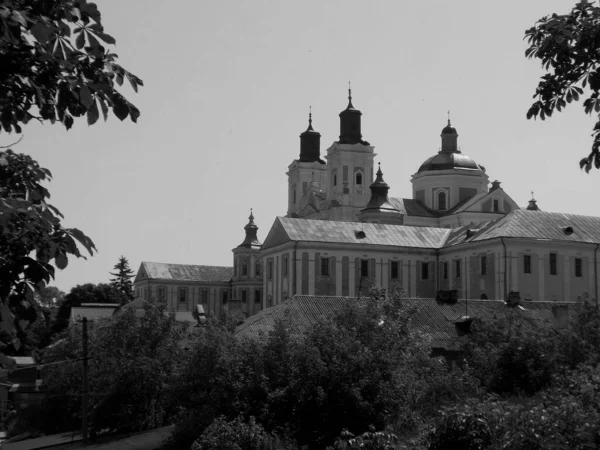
pixel 359 178
pixel 294 196
pixel 442 201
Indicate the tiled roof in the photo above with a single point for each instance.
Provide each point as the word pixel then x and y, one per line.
pixel 374 233
pixel 435 320
pixel 412 207
pixel 186 272
pixel 536 225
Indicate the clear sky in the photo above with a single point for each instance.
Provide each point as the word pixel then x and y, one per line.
pixel 227 89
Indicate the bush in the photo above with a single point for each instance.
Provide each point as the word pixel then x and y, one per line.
pixel 234 435
pixel 461 428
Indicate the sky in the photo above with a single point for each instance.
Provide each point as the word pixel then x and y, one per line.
pixel 227 89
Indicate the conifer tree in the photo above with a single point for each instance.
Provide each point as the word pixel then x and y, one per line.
pixel 122 278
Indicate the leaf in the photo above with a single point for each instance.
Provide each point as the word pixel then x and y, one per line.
pixel 80 41
pixel 85 97
pixel 93 114
pixel 120 108
pixel 106 38
pixel 18 18
pixel 61 261
pixel 104 107
pixel 134 113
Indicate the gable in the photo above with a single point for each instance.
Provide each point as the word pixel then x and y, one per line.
pixel 485 203
pixel 277 235
pixel 142 274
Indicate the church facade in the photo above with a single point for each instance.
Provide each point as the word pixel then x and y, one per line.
pixel 342 234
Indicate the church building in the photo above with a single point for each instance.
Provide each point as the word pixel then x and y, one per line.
pixel 343 233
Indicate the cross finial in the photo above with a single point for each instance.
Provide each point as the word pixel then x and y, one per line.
pixel 349 91
pixel 310 114
pixel 448 117
pixel 532 197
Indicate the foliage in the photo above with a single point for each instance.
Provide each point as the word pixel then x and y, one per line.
pixel 54 65
pixel 31 239
pixel 567 47
pixel 50 296
pixel 122 277
pixel 461 428
pixel 361 370
pixel 85 293
pixel 369 440
pixel 233 435
pixel 132 364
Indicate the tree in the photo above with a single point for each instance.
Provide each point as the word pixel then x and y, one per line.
pixel 133 364
pixel 54 65
pixel 86 293
pixel 122 278
pixel 567 47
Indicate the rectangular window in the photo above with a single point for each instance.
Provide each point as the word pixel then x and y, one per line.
pixel 345 174
pixel 145 293
pixel 257 269
pixel 285 265
pixel 324 267
pixel 424 271
pixel 257 296
pixel 364 268
pixel 161 293
pixel 244 268
pixel 496 206
pixel 183 295
pixel 225 297
pixel 445 269
pixel 204 296
pixel 304 187
pixel 526 263
pixel 457 268
pixel 244 296
pixel 394 270
pixel 483 265
pixel 270 269
pixel 553 268
pixel 578 272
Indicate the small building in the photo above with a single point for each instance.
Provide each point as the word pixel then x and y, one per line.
pixel 94 312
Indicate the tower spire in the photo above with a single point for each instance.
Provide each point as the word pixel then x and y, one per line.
pixel 350 96
pixel 310 142
pixel 251 239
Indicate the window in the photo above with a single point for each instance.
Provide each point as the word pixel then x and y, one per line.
pixel 225 297
pixel 335 179
pixel 578 272
pixel 257 296
pixel 364 268
pixel 457 268
pixel 424 271
pixel 285 265
pixel 244 267
pixel 324 267
pixel 442 201
pixel 294 196
pixel 244 296
pixel 345 173
pixel 553 268
pixel 304 187
pixel 359 178
pixel 161 293
pixel 526 263
pixel 445 269
pixel 145 293
pixel 496 206
pixel 257 269
pixel 483 265
pixel 183 295
pixel 270 269
pixel 394 269
pixel 204 296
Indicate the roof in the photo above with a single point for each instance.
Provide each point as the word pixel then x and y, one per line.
pixel 138 307
pixel 535 225
pixel 92 312
pixel 435 320
pixel 309 230
pixel 23 360
pixel 183 272
pixel 412 207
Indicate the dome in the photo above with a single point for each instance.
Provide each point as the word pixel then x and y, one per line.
pixel 447 160
pixel 449 129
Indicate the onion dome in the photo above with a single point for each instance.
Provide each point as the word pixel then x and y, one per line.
pixel 532 206
pixel 449 157
pixel 310 144
pixel 379 196
pixel 251 240
pixel 350 132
